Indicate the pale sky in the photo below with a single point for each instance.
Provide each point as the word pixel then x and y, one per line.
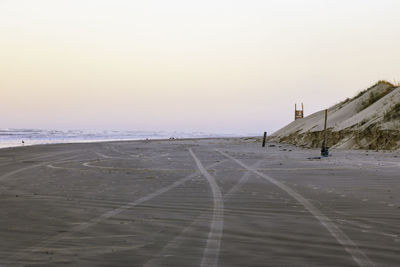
pixel 215 66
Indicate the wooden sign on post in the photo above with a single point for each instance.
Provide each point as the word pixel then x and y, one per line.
pixel 298 114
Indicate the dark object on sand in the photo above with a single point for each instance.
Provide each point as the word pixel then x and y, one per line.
pixel 23 142
pixel 314 158
pixel 272 145
pixel 265 137
pixel 325 152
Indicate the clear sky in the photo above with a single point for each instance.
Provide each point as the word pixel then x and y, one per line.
pixel 220 66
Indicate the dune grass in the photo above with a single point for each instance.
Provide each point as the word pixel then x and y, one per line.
pixel 373 97
pixel 389 84
pixel 393 114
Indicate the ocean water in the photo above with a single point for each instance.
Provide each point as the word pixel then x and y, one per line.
pixel 14 137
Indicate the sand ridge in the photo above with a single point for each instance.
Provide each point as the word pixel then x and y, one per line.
pixel 369 121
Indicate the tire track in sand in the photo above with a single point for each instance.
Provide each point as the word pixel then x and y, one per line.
pixel 211 251
pixel 11 173
pixel 44 244
pixel 176 242
pixel 358 256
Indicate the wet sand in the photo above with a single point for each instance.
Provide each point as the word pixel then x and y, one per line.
pixel 210 202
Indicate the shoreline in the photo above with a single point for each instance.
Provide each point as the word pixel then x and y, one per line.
pixel 128 140
pixel 243 139
pixel 16 137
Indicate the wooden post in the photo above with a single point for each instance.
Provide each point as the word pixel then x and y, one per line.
pixel 323 149
pixel 265 137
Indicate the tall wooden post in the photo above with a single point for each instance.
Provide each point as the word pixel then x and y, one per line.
pixel 324 151
pixel 265 137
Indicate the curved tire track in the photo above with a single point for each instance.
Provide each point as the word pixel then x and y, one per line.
pixel 176 242
pixel 211 251
pixel 40 246
pixel 358 256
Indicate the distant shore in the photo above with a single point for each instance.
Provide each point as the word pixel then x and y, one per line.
pixel 27 137
pixel 28 143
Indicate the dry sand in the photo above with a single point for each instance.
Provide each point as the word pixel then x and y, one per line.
pixel 209 202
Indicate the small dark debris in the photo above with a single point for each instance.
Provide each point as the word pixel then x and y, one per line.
pixel 314 158
pixel 16 196
pixel 272 146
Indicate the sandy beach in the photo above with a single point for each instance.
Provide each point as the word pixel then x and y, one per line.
pixel 205 202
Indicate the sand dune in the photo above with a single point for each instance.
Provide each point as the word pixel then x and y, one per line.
pixel 371 120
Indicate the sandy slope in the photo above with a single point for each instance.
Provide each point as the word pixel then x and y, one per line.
pixel 352 123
